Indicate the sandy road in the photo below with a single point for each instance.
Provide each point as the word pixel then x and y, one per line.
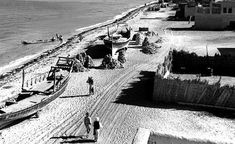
pixel 112 114
pixel 64 116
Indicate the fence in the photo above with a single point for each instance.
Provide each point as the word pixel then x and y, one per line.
pixel 175 90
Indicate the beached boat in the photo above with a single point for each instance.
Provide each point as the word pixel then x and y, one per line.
pixel 227 51
pixel 117 41
pixel 35 96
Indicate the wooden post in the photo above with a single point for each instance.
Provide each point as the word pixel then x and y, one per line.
pixel 31 83
pixel 27 84
pixel 23 75
pixel 207 51
pixel 44 77
pixel 108 32
pixel 54 86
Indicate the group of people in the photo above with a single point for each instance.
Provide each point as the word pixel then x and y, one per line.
pixel 58 37
pixel 96 126
pixel 87 120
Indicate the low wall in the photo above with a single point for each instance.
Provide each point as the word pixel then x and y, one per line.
pixel 142 136
pixel 145 136
pixel 169 139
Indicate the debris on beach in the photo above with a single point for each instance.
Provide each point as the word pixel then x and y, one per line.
pixel 78 66
pixel 85 60
pixel 82 62
pixel 154 8
pixel 81 57
pixel 109 63
pixel 138 38
pixel 148 47
pixel 89 63
pixel 121 56
pixel 159 40
pixel 145 42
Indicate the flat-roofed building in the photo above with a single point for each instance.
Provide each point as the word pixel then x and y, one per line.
pixel 219 15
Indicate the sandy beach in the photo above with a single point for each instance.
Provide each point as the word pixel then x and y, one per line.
pixel 122 97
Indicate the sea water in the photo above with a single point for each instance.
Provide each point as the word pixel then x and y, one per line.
pixel 42 19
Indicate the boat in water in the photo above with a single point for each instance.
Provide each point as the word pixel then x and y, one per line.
pixel 38 92
pixel 53 39
pixel 227 51
pixel 118 41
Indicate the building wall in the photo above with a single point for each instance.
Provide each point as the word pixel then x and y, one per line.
pixel 212 17
pixel 213 21
pixel 209 22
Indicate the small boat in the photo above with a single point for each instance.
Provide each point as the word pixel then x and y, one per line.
pixel 53 39
pixel 227 51
pixel 38 94
pixel 117 41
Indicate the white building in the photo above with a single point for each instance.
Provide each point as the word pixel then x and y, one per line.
pixel 219 15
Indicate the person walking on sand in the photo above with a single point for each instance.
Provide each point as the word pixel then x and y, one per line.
pixel 97 126
pixel 90 81
pixel 87 122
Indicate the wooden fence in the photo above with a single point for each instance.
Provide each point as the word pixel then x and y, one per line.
pixel 175 90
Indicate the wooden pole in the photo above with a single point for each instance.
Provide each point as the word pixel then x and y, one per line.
pixel 54 86
pixel 207 51
pixel 23 75
pixel 108 32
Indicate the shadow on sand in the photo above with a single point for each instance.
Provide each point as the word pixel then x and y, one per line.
pixel 76 139
pixel 173 18
pixel 33 116
pixel 86 95
pixel 97 51
pixel 79 141
pixel 140 94
pixel 194 29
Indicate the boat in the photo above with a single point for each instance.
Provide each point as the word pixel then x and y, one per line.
pixel 53 39
pixel 37 42
pixel 117 41
pixel 227 51
pixel 38 93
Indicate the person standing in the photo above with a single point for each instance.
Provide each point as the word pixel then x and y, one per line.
pixel 90 81
pixel 97 126
pixel 87 122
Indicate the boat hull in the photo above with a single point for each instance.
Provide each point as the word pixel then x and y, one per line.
pixel 38 42
pixel 8 118
pixel 116 46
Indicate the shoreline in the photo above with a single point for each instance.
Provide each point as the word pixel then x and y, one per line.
pixel 9 81
pixel 5 74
